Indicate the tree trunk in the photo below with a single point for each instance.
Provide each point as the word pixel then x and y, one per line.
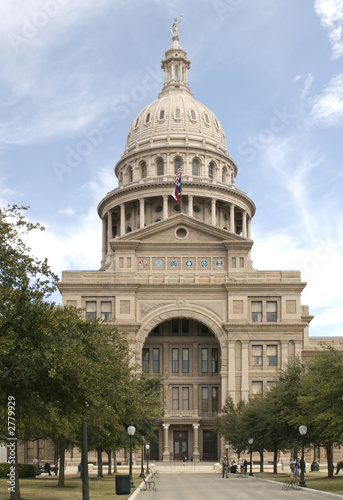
pixel 115 468
pixel 275 461
pixel 329 454
pixel 13 479
pixel 61 452
pixel 261 461
pixel 99 455
pixel 109 472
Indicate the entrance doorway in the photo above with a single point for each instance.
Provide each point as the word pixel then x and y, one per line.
pixel 210 446
pixel 180 445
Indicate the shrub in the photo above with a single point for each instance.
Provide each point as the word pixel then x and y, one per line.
pixel 25 470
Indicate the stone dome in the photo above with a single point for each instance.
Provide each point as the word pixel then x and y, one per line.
pixel 176 114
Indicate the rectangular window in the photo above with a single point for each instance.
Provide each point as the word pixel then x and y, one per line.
pixel 175 364
pixel 185 360
pixel 256 310
pixel 257 355
pixel 215 400
pixel 145 360
pixel 271 311
pixel 105 311
pixel 215 361
pixel 204 360
pixel 175 398
pixel 204 399
pixel 156 360
pixel 91 309
pixel 185 398
pixel 272 355
pixel 257 389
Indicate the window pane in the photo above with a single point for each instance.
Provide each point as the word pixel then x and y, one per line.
pixel 175 367
pixel 144 170
pixel 215 400
pixel 215 361
pixel 175 398
pixel 195 167
pixel 177 113
pixel 271 311
pixel 210 170
pixel 185 360
pixel 257 389
pixel 90 310
pixel 145 361
pixel 105 310
pixel 256 311
pixel 257 354
pixel 272 355
pixel 193 115
pixel 160 167
pixel 162 114
pixel 204 360
pixel 204 399
pixel 185 398
pixel 156 360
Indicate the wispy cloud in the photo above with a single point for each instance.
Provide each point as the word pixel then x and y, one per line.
pixel 327 108
pixel 331 17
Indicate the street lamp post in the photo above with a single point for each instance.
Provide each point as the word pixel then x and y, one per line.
pixel 142 462
pixel 302 430
pixel 84 461
pixel 131 432
pixel 227 451
pixel 315 464
pixel 147 446
pixel 226 465
pixel 250 441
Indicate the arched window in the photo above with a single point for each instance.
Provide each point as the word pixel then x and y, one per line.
pixel 211 170
pixel 143 170
pixel 177 113
pixel 195 166
pixel 160 167
pixel 130 174
pixel 177 163
pixel 162 113
pixel 147 119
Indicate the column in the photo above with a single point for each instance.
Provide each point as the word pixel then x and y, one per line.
pixel 165 206
pixel 196 454
pixel 104 242
pixel 213 212
pixel 249 228
pixel 166 442
pixel 245 371
pixel 231 370
pixel 232 218
pixel 244 224
pixel 122 219
pixel 283 354
pixel 109 230
pixel 141 213
pixel 190 205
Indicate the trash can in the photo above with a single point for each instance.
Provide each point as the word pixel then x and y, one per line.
pixel 123 485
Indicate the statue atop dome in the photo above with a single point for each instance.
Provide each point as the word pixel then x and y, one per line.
pixel 175 28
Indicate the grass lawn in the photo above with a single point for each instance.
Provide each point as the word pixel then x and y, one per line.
pixel 45 488
pixel 314 480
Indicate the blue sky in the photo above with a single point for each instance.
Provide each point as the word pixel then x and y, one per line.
pixel 75 73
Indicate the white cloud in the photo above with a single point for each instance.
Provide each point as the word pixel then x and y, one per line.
pixel 331 17
pixel 327 109
pixel 307 86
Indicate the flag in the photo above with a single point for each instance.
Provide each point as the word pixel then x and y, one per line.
pixel 177 189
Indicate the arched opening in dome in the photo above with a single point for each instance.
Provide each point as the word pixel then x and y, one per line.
pixel 177 163
pixel 195 166
pixel 160 167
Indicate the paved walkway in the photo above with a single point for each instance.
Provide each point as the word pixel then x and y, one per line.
pixel 210 486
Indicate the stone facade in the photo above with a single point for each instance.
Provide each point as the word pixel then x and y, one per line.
pixel 178 278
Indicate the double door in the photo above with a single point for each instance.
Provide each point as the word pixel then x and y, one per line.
pixel 181 445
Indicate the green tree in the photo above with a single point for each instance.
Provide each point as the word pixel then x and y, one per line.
pixel 321 401
pixel 229 423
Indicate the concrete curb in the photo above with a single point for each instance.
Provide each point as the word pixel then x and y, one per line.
pixel 317 492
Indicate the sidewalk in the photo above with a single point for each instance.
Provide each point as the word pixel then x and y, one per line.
pixel 211 486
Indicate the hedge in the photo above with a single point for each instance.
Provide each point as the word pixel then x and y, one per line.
pixel 25 470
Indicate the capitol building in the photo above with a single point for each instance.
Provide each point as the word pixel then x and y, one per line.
pixel 178 277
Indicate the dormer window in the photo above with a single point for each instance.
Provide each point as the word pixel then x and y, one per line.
pixel 177 114
pixel 147 119
pixel 137 121
pixel 162 114
pixel 206 119
pixel 193 115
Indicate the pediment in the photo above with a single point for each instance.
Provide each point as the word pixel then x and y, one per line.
pixel 182 229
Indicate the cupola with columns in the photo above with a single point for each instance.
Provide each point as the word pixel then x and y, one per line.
pixel 174 128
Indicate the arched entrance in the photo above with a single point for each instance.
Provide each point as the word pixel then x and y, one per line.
pixel 188 355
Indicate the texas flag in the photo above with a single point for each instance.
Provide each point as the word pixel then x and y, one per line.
pixel 177 188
